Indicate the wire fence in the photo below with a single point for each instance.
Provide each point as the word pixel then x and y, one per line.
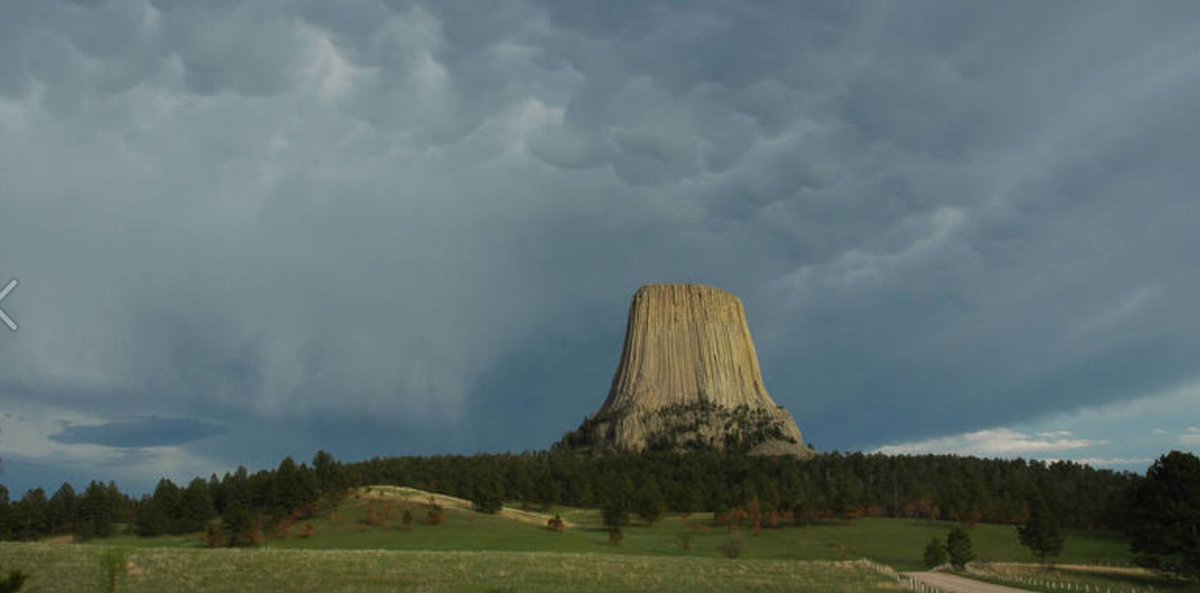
pixel 1056 584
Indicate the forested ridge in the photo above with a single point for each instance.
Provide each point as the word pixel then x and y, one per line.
pixel 238 506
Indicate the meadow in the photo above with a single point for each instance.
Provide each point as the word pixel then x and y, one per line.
pixel 364 545
pixel 69 568
pixel 898 543
pixel 1068 578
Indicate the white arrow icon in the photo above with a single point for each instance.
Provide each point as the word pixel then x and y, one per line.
pixel 12 325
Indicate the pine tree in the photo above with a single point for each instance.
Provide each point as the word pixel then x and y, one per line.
pixel 330 475
pixel 97 508
pixel 487 498
pixel 308 491
pixel 151 518
pixel 648 501
pixel 5 514
pixel 546 489
pixel 242 528
pixel 958 546
pixel 61 509
pixel 29 515
pixel 167 501
pixel 615 512
pixel 1040 534
pixel 195 507
pixel 935 553
pixel 285 488
pixel 1164 522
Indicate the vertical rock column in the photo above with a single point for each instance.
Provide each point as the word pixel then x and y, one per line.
pixel 689 374
pixel 684 344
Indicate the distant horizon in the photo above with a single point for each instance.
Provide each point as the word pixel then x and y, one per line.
pixel 139 489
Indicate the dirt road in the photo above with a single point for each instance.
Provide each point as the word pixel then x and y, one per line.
pixel 956 584
pixel 421 496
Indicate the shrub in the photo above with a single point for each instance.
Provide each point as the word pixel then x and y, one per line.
pixel 242 528
pixel 304 511
pixel 732 547
pixel 13 581
pixel 731 520
pixel 214 537
pixel 282 528
pixel 434 514
pixel 374 515
pixel 842 549
pixel 684 539
pixel 754 512
pixel 615 536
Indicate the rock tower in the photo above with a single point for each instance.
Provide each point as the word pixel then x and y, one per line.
pixel 688 378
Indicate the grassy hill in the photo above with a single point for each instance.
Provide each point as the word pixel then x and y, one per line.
pixel 895 542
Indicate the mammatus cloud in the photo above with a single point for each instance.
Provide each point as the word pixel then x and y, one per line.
pixel 997 442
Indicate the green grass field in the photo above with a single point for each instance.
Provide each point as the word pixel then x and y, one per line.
pixel 1081 579
pixel 898 543
pixel 70 568
pixel 470 551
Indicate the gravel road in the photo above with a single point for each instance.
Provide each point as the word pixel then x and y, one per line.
pixel 956 584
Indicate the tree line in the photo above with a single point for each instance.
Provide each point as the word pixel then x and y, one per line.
pixel 240 501
pixel 240 504
pixel 964 489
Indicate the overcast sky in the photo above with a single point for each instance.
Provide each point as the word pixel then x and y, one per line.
pixel 245 230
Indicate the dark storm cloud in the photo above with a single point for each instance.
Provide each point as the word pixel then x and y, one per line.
pixel 139 432
pixel 425 219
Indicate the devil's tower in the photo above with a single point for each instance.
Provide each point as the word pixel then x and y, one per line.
pixel 688 378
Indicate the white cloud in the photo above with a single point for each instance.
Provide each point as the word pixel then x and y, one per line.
pixel 1002 442
pixel 1114 461
pixel 26 431
pixel 1055 434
